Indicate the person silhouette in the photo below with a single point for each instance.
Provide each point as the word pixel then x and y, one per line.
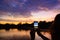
pixel 33 30
pixel 32 34
pixel 54 29
pixel 39 34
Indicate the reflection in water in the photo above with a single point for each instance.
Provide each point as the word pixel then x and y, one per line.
pixel 14 34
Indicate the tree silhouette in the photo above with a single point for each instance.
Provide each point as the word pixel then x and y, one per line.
pixel 26 26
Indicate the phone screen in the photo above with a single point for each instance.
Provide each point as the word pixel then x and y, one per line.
pixel 35 24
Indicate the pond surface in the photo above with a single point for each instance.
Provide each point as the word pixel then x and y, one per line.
pixel 14 34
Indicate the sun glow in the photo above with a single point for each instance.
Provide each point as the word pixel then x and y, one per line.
pixel 35 16
pixel 44 15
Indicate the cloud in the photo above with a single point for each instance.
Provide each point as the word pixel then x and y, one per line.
pixel 6 20
pixel 25 7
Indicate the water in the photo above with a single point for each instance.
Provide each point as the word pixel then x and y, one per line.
pixel 14 34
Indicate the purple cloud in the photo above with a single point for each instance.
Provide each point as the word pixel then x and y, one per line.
pixel 24 7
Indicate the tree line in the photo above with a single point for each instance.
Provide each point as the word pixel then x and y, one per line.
pixel 26 26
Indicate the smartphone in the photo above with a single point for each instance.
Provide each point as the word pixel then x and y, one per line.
pixel 35 24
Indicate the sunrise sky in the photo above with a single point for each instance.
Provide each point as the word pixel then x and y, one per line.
pixel 15 11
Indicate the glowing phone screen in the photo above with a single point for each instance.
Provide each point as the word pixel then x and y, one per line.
pixel 35 24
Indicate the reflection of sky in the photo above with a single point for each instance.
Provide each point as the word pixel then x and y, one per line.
pixel 28 10
pixel 14 33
